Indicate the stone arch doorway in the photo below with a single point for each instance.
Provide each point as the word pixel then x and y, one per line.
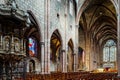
pixel 55 52
pixel 33 65
pixel 70 56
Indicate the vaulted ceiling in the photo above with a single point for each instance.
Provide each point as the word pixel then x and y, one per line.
pixel 99 19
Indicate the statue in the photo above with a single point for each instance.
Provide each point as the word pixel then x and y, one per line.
pixel 11 3
pixel 16 43
pixel 17 46
pixel 7 44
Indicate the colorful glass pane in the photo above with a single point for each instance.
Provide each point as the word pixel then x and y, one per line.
pixel 32 47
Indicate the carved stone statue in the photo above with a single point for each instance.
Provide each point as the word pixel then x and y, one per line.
pixel 12 3
pixel 7 44
pixel 17 46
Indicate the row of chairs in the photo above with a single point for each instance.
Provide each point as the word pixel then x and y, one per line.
pixel 71 76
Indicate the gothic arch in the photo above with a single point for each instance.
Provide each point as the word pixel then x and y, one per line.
pixel 80 11
pixel 70 56
pixel 81 58
pixel 36 24
pixel 34 31
pixel 36 64
pixel 70 43
pixel 84 6
pixel 55 51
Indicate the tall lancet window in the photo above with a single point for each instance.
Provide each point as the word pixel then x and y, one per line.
pixel 32 47
pixel 109 54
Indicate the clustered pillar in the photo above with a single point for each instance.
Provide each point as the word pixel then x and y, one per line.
pixel 118 50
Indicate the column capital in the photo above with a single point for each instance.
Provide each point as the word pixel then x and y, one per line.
pixel 63 50
pixel 74 53
pixel 42 43
pixel 77 26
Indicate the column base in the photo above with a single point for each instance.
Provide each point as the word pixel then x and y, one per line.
pixel 117 77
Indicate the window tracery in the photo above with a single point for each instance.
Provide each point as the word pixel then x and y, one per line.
pixel 109 53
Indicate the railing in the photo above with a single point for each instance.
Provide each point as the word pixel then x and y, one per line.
pixel 71 76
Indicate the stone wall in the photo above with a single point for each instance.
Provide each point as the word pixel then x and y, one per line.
pixel 59 18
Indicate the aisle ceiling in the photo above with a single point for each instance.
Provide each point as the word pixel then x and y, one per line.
pixel 99 19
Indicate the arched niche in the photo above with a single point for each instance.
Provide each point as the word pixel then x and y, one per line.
pixel 70 56
pixel 33 65
pixel 55 52
pixel 33 37
pixel 81 58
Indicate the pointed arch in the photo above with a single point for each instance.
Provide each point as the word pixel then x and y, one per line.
pixel 109 54
pixel 34 32
pixel 70 56
pixel 80 11
pixel 70 44
pixel 35 64
pixel 37 26
pixel 86 3
pixel 55 51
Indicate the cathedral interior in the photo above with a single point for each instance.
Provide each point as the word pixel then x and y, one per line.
pixel 59 40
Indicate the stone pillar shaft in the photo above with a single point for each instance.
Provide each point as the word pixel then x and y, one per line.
pixel 74 63
pixel 42 58
pixel 76 47
pixel 118 33
pixel 45 55
pixel 87 52
pixel 64 67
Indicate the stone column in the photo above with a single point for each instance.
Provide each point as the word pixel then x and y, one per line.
pixel 118 33
pixel 1 41
pixel 74 61
pixel 42 57
pixel 92 55
pixel 76 46
pixel 46 36
pixel 64 63
pixel 87 52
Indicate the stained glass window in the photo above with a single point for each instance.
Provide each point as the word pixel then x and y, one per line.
pixel 32 47
pixel 109 52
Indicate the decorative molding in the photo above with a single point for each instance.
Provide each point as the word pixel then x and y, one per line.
pixel 77 26
pixel 74 54
pixel 42 43
pixel 63 50
pixel 11 9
